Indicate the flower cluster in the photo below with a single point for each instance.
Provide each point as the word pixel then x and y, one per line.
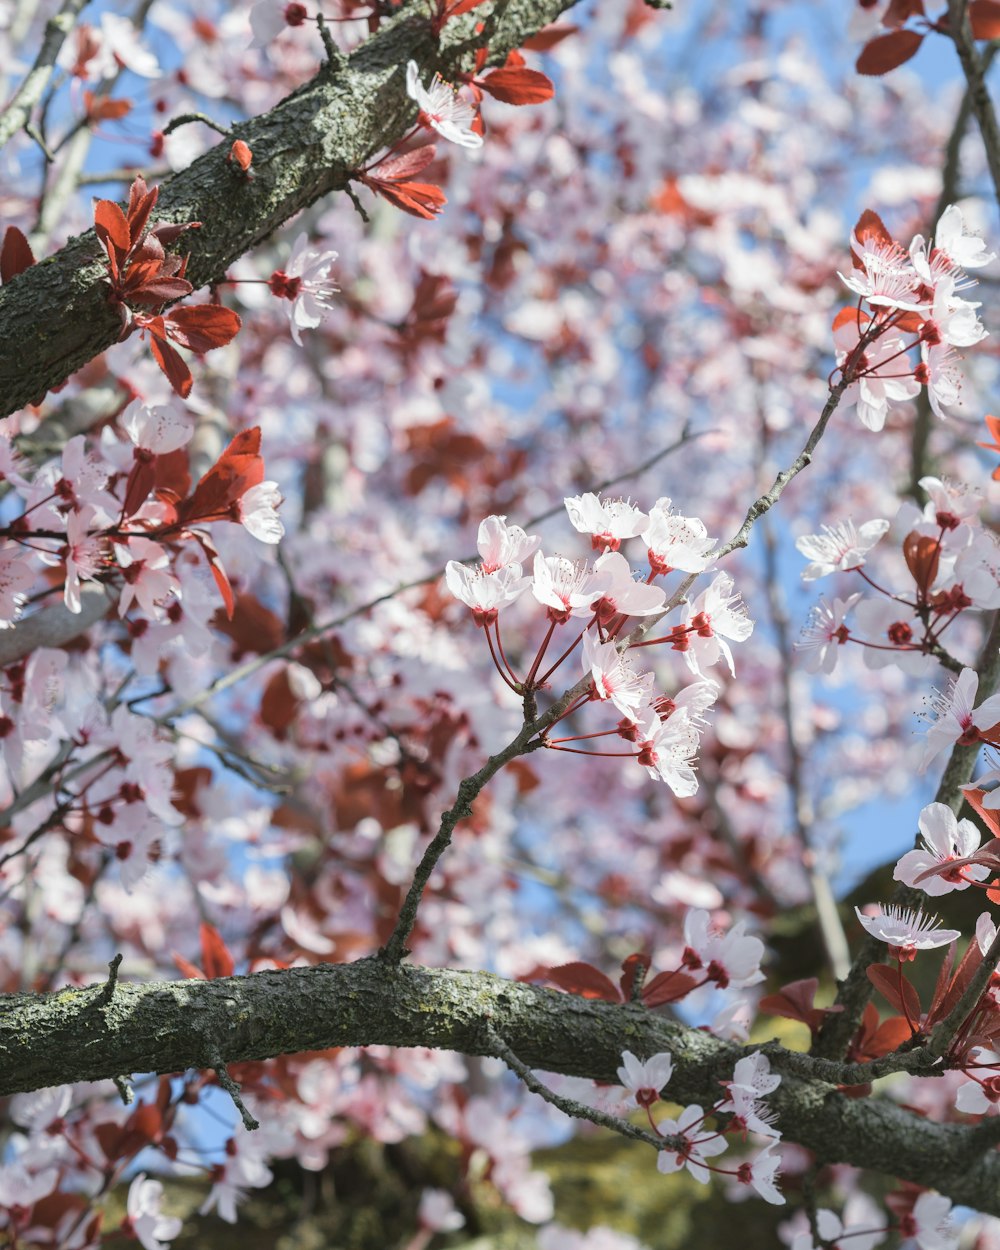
pixel 689 1143
pixel 119 514
pixel 911 291
pixel 598 601
pixel 953 565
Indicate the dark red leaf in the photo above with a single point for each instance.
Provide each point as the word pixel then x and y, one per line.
pixel 668 987
pixel 887 52
pixel 795 1002
pixel 15 255
pixel 111 226
pixel 984 18
pixel 218 572
pixel 140 205
pixel 177 372
pixel 518 86
pixel 420 199
pixel 548 38
pixel 895 989
pixel 187 968
pixel 585 980
pixel 202 326
pixel 889 1036
pixel 463 6
pixel 238 468
pixel 140 483
pixel 400 168
pixel 922 555
pixel 215 956
pixel 156 291
pixel 990 816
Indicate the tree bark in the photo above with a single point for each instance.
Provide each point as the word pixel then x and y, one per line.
pixel 55 316
pixel 116 1029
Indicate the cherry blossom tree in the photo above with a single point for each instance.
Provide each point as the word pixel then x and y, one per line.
pixel 423 425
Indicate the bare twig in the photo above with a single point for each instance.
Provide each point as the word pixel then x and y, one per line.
pixel 30 91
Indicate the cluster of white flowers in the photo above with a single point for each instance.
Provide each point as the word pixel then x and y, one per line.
pixel 603 597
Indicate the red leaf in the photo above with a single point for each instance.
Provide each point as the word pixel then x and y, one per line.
pixel 518 86
pixel 399 168
pixel 548 38
pixel 974 798
pixel 238 468
pixel 887 52
pixel 895 989
pixel 177 372
pixel 889 1036
pixel 922 555
pixel 140 205
pixel 202 326
pixel 215 954
pixel 218 572
pixel 871 226
pixel 140 483
pixel 795 1002
pixel 463 6
pixel 15 255
pixel 185 966
pixel 984 17
pixel 100 108
pixel 111 226
pixel 155 291
pixel 419 199
pixel 668 987
pixel 585 980
pixel 173 475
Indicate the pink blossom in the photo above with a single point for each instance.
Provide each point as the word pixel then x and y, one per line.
pixel 887 277
pixel 501 544
pixel 148 579
pixel 485 593
pixel 716 615
pixel 967 251
pixel 839 547
pixel 929 1222
pixel 676 542
pixel 944 838
pixel 620 593
pixel 614 678
pixel 82 555
pixel 306 283
pixel 696 1148
pixel 834 1233
pixel 981 1094
pixel 667 749
pixel 565 587
pixel 907 930
pixel 952 320
pixel 645 1078
pixel 437 1212
pixel 955 720
pixel 762 1173
pixel 145 1219
pixel 938 371
pixel 258 512
pixel 158 430
pixel 825 633
pixel 730 959
pixel 882 375
pixel 608 522
pixel 443 109
pixel 16 579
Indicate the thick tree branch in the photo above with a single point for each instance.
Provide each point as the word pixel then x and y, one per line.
pixel 55 316
pixel 89 1034
pixel 974 70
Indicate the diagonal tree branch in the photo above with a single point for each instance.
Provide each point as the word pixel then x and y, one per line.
pixel 30 91
pixel 55 316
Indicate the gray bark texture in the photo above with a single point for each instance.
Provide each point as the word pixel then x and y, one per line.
pixel 117 1029
pixel 55 316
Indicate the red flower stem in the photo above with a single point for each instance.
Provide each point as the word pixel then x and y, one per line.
pixel 489 641
pixel 881 589
pixel 625 755
pixel 496 627
pixel 529 680
pixel 569 651
pixel 601 733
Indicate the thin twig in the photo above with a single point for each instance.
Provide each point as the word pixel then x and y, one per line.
pixel 973 68
pixel 570 1106
pixel 30 91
